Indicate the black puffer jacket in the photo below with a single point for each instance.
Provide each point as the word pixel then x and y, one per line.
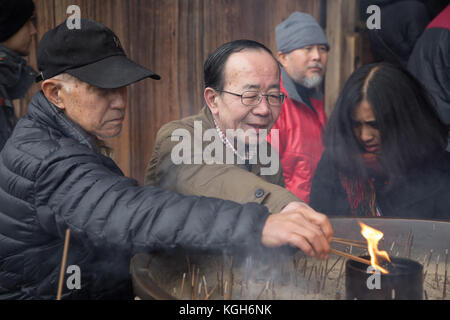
pixel 16 78
pixel 52 178
pixel 7 119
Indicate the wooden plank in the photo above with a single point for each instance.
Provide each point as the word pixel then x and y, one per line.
pixel 341 21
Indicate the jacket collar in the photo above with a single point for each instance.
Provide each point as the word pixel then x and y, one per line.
pixel 298 92
pixel 47 114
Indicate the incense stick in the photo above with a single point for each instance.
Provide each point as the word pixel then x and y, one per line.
pixel 354 243
pixel 349 256
pixel 63 264
pixel 205 285
pixel 211 292
pixel 182 285
pixel 444 293
pixel 407 244
pixel 340 274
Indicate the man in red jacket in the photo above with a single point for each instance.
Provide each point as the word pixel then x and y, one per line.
pixel 303 52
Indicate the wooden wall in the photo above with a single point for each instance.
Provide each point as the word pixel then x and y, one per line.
pixel 172 38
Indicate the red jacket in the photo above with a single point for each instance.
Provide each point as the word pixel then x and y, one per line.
pixel 300 138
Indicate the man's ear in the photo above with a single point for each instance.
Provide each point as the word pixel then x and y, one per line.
pixel 282 57
pixel 52 91
pixel 211 97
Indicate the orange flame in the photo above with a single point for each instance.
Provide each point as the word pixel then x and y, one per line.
pixel 373 236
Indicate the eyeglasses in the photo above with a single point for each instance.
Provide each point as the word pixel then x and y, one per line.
pixel 253 98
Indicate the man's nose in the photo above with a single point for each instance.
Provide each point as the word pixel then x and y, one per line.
pixel 119 98
pixel 315 53
pixel 263 108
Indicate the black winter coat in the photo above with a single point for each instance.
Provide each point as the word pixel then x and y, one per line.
pixel 424 194
pixel 16 78
pixel 6 120
pixel 52 178
pixel 430 62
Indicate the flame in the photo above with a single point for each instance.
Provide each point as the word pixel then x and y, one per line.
pixel 373 236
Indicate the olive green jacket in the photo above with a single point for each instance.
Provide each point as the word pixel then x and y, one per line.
pixel 237 182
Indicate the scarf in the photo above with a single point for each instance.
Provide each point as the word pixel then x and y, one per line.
pixel 361 194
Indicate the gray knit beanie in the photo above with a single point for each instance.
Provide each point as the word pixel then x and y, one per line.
pixel 298 31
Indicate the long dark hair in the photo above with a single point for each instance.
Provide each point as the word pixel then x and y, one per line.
pixel 213 69
pixel 410 129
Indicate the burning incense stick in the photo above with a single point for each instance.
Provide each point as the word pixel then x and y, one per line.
pixel 63 264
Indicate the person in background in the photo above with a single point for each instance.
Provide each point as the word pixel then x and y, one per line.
pixel 16 77
pixel 54 177
pixel 430 63
pixel 303 53
pixel 398 33
pixel 384 150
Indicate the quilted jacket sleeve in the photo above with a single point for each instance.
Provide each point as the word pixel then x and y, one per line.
pixel 79 192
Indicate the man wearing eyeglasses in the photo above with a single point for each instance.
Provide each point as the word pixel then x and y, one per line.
pixel 303 53
pixel 243 100
pixel 16 77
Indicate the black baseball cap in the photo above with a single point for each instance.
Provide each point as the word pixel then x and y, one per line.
pixel 92 53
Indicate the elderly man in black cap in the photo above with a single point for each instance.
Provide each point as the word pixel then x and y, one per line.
pixel 302 52
pixel 54 177
pixel 16 77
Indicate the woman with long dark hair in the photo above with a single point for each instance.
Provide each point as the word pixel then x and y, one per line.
pixel 384 150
